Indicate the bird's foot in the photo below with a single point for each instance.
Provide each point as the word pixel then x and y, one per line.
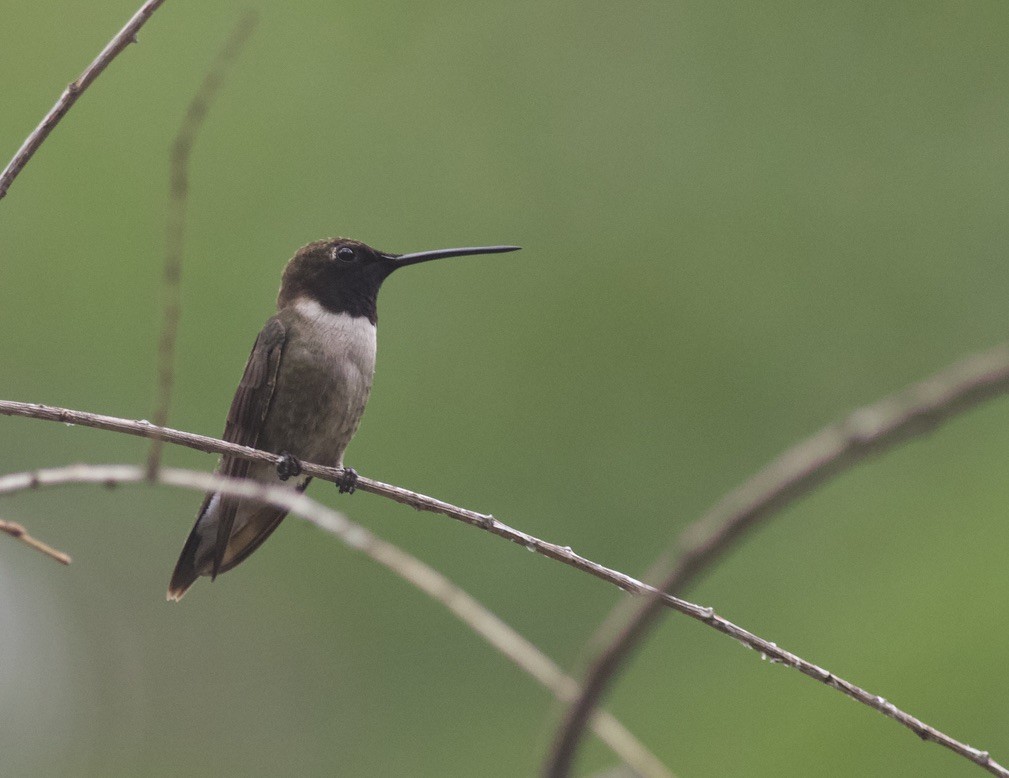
pixel 288 466
pixel 348 481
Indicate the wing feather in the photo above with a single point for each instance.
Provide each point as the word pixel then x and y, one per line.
pixel 245 421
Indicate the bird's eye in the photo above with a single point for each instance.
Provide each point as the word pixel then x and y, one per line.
pixel 345 254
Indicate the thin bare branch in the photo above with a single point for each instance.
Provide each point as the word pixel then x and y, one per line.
pixel 74 90
pixel 18 532
pixel 466 608
pixel 520 651
pixel 992 377
pixel 175 237
pixel 875 428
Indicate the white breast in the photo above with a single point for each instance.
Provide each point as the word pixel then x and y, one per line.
pixel 328 366
pixel 349 337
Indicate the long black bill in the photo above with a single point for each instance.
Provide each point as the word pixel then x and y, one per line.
pixel 423 256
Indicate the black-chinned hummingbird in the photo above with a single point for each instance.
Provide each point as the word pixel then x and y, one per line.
pixel 302 395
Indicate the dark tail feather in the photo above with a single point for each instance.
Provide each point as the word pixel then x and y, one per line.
pixel 185 574
pixel 240 544
pixel 255 532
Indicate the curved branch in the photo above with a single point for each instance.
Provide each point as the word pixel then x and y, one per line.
pixel 872 429
pixel 466 608
pixel 75 89
pixel 564 554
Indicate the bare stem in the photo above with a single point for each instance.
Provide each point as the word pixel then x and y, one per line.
pixel 18 532
pixel 176 227
pixel 488 523
pixel 872 429
pixel 74 90
pixel 466 608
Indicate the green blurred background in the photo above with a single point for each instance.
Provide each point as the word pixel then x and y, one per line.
pixel 739 221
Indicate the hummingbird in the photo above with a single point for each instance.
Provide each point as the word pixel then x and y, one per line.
pixel 302 394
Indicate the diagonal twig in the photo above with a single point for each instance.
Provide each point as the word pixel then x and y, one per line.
pixel 982 385
pixel 18 532
pixel 74 90
pixel 872 429
pixel 428 580
pixel 175 229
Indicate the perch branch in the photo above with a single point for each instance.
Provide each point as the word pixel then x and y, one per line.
pixel 869 430
pixel 488 523
pixel 74 90
pixel 429 581
pixel 175 237
pixel 18 532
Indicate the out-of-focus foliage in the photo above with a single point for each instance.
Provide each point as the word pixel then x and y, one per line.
pixel 739 221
